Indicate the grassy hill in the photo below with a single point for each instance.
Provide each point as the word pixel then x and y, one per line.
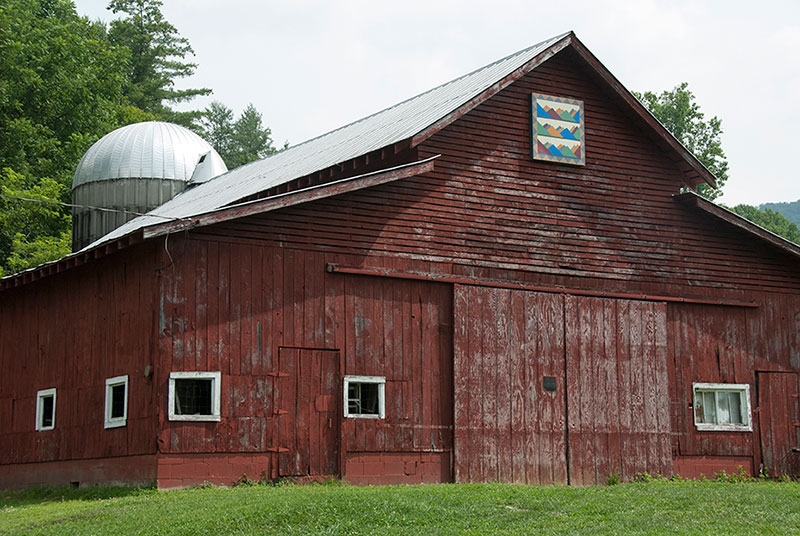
pixel 655 507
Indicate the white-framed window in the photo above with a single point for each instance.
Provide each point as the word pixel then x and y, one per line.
pixel 722 407
pixel 116 402
pixel 194 396
pixel 45 409
pixel 364 397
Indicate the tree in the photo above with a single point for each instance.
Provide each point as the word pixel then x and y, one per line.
pixel 771 221
pixel 60 90
pixel 156 58
pixel 216 127
pixel 237 142
pixel 681 115
pixel 790 209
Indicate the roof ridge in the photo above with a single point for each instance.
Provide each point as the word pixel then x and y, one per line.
pixel 463 76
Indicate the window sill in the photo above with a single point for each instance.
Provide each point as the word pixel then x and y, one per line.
pixel 116 424
pixel 195 418
pixel 723 428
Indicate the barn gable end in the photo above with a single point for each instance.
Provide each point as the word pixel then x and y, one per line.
pixel 517 320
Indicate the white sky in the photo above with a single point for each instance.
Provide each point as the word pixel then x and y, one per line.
pixel 312 66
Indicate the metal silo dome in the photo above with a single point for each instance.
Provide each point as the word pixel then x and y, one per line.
pixel 135 169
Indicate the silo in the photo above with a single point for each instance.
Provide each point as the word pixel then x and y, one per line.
pixel 133 170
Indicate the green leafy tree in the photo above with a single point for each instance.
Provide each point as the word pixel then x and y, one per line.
pixel 60 90
pixel 771 221
pixel 238 142
pixel 156 58
pixel 681 115
pixel 216 127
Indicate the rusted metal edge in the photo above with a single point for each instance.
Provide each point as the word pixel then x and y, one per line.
pixel 70 261
pixel 295 197
pixel 494 89
pixel 694 200
pixel 474 281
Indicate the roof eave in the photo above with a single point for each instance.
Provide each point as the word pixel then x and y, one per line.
pixel 70 261
pixel 294 197
pixel 693 200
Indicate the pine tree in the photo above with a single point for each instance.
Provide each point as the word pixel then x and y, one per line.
pixel 156 59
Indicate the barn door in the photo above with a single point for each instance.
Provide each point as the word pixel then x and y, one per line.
pixel 307 407
pixel 779 414
pixel 510 393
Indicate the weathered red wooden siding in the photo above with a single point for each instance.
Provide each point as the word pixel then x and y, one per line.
pixel 609 414
pixel 72 331
pixel 489 211
pixel 248 303
pixel 618 389
pixel 709 344
pixel 507 427
pixel 779 417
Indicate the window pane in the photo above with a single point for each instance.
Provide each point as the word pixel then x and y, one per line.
pixel 354 398
pixel 735 405
pixel 710 406
pixel 118 401
pixel 362 399
pixel 193 397
pixel 47 411
pixel 369 398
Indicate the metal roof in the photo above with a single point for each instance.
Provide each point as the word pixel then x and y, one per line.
pixel 150 150
pixel 394 124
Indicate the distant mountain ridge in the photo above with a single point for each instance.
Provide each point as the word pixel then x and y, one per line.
pixel 790 209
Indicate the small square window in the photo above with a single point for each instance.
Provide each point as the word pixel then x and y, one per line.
pixel 722 407
pixel 116 402
pixel 364 397
pixel 46 409
pixel 194 396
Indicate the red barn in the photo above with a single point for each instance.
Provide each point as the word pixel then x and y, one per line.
pixel 496 280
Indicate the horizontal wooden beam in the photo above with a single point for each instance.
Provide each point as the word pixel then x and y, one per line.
pixel 515 285
pixel 294 197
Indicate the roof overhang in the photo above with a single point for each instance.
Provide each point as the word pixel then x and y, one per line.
pixel 295 197
pixel 693 200
pixel 242 210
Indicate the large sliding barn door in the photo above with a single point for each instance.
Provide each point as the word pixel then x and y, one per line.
pixel 510 419
pixel 307 406
pixel 779 413
pixel 617 389
pixel 558 389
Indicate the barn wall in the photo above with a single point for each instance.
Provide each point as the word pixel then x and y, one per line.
pixel 73 331
pixel 239 295
pixel 489 212
pixel 249 311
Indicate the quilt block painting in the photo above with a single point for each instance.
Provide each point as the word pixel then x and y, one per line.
pixel 557 129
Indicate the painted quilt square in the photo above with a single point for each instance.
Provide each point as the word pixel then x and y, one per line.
pixel 557 129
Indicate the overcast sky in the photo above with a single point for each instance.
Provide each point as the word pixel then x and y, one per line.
pixel 310 67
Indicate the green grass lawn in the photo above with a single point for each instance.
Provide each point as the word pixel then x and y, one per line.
pixel 658 507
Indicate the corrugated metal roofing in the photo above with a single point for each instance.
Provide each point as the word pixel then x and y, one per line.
pixel 374 132
pixel 152 150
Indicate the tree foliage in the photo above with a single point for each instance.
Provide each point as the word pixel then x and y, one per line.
pixel 681 115
pixel 156 59
pixel 60 89
pixel 771 221
pixel 790 209
pixel 237 141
